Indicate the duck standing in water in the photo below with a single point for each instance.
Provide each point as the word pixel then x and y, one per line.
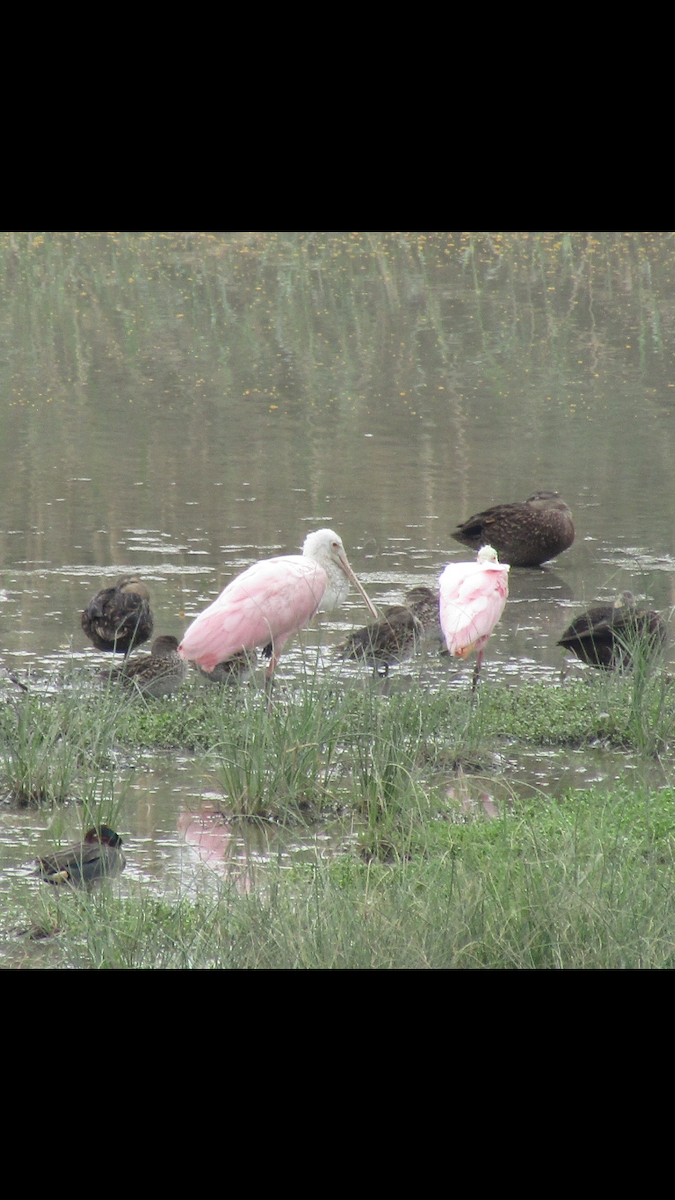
pixel 99 856
pixel 156 674
pixel 608 635
pixel 524 534
pixel 119 617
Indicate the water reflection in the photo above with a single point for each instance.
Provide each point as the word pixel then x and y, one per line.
pixel 179 406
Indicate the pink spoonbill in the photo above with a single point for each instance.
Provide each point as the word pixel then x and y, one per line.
pixel 472 600
pixel 272 600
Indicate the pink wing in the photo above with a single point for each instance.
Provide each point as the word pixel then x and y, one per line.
pixel 472 600
pixel 267 603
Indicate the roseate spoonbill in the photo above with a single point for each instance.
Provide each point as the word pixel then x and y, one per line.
pixel 119 618
pixel 272 600
pixel 398 634
pixel 156 674
pixel 608 636
pixel 98 856
pixel 472 600
pixel 524 535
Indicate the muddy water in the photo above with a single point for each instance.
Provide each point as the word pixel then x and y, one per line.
pixel 183 405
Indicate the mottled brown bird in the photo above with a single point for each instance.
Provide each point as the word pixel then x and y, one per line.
pixel 98 856
pixel 390 640
pixel 523 534
pixel 398 634
pixel 234 670
pixel 609 635
pixel 424 603
pixel 156 674
pixel 119 617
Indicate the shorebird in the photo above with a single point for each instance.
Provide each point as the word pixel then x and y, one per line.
pixel 398 634
pixel 156 674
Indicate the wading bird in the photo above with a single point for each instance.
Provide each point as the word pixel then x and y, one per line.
pixel 272 600
pixel 235 670
pixel 609 635
pixel 392 639
pixel 423 602
pixel 473 596
pixel 523 534
pixel 156 674
pixel 399 632
pixel 119 618
pixel 98 856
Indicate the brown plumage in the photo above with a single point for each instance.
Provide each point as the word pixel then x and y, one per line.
pixel 398 634
pixel 607 636
pixel 236 669
pixel 424 603
pixel 156 674
pixel 523 534
pixel 390 640
pixel 98 856
pixel 119 617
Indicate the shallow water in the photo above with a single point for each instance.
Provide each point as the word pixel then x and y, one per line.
pixel 182 405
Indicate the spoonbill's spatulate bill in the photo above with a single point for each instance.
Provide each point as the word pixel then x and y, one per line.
pixel 272 600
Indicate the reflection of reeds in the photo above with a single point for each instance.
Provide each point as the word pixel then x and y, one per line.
pixel 445 344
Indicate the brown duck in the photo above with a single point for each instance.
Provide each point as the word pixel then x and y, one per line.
pixel 523 534
pixel 119 618
pixel 99 856
pixel 156 674
pixel 607 636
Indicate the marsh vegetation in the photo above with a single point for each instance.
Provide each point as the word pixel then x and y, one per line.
pixel 178 406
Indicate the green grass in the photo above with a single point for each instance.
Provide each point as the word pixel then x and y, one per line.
pixel 587 882
pixel 446 872
pixel 308 747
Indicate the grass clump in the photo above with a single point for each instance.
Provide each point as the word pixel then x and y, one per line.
pixel 52 746
pixel 588 882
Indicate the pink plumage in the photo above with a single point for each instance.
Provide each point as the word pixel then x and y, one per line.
pixel 272 600
pixel 472 599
